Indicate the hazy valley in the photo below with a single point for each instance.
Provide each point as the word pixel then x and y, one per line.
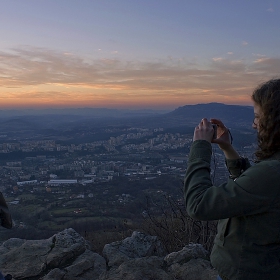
pixel 122 168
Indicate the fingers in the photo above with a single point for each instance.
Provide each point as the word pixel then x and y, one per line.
pixel 204 121
pixel 203 131
pixel 217 122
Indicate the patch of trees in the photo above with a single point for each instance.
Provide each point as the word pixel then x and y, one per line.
pixel 171 223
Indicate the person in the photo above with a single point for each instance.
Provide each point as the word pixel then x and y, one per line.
pixel 5 215
pixel 247 206
pixel 6 222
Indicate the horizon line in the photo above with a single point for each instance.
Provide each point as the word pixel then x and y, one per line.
pixel 115 108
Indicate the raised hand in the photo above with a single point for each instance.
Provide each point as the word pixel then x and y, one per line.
pixel 204 131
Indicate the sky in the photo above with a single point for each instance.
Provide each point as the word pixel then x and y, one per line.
pixel 131 54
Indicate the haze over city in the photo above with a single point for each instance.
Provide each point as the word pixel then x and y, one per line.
pixel 135 54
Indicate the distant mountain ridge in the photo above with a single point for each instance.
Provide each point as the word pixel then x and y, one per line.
pixel 211 107
pixel 188 115
pixel 232 113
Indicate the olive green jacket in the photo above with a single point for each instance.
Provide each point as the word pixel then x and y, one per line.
pixel 247 245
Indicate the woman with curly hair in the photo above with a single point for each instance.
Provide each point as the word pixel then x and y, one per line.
pixel 269 124
pixel 247 244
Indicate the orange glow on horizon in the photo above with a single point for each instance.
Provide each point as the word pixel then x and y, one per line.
pixel 54 96
pixel 121 102
pixel 66 81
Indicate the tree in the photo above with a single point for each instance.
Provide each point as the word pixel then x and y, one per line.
pixel 170 222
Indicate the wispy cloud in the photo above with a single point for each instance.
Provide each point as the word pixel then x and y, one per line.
pixel 217 58
pixel 35 75
pixel 259 55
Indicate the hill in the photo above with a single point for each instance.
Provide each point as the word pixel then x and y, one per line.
pixel 56 125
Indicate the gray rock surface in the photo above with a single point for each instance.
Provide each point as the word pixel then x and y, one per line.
pixel 190 251
pixel 64 255
pixel 194 269
pixel 138 269
pixel 137 246
pixel 67 256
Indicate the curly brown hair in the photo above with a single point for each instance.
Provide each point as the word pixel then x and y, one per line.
pixel 267 96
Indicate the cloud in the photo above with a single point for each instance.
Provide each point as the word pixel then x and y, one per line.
pixel 270 10
pixel 34 74
pixel 244 43
pixel 229 66
pixel 217 58
pixel 49 95
pixel 267 66
pixel 259 55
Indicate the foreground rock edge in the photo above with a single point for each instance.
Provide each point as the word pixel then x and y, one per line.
pixel 68 256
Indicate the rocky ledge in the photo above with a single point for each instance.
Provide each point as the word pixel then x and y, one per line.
pixel 68 256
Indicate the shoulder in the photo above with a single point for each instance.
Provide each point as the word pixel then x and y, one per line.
pixel 265 167
pixel 262 177
pixel 270 163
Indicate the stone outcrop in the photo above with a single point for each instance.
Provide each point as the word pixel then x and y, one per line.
pixel 68 256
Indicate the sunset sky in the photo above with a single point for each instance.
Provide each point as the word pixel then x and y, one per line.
pixel 134 54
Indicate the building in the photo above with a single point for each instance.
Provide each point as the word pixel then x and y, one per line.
pixel 27 182
pixel 62 182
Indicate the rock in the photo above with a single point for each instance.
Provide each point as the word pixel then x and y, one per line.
pixel 187 253
pixel 137 246
pixel 26 260
pixel 55 274
pixel 66 245
pixel 195 269
pixel 138 269
pixel 87 266
pixel 63 255
pixel 68 256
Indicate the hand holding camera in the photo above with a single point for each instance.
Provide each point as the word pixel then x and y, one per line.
pixel 215 127
pixel 213 131
pixel 205 131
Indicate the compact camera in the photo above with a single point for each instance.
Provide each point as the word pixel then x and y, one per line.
pixel 215 131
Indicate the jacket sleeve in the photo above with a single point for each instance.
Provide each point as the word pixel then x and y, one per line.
pixel 237 166
pixel 247 194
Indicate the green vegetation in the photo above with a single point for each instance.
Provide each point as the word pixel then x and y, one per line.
pixel 114 206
